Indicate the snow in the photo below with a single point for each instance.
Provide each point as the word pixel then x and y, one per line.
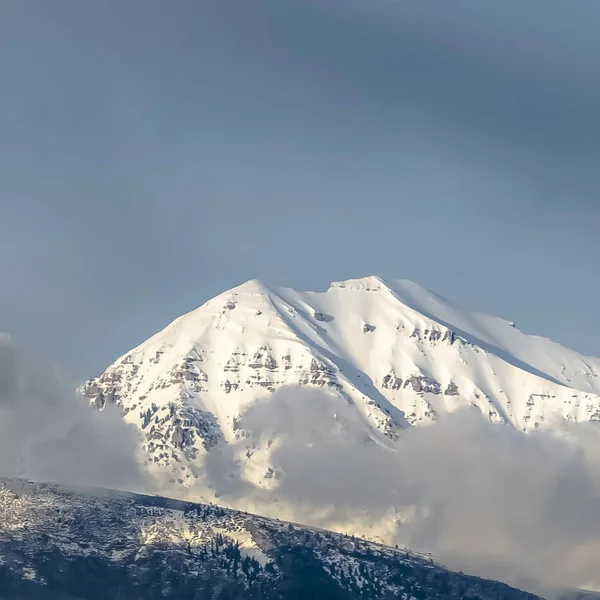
pixel 29 573
pixel 247 545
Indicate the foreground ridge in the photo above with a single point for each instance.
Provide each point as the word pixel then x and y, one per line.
pixel 59 543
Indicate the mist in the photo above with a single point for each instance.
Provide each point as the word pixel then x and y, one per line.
pixel 48 433
pixel 493 501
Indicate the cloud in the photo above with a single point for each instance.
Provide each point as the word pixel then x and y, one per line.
pixel 490 500
pixel 47 433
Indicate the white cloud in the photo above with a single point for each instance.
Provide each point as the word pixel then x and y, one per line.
pixel 47 433
pixel 491 500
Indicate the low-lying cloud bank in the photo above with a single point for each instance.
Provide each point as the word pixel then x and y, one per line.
pixel 523 508
pixel 48 434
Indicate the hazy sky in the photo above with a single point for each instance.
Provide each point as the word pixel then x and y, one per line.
pixel 155 153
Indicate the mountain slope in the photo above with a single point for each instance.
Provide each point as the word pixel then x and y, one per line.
pixel 56 543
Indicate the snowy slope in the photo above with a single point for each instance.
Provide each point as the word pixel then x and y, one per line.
pixel 400 355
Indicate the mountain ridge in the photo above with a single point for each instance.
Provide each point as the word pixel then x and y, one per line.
pixel 59 543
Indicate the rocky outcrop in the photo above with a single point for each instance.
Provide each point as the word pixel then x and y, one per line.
pixel 322 317
pixel 391 382
pixel 423 384
pixel 451 390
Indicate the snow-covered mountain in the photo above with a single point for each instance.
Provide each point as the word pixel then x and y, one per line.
pixel 60 544
pixel 399 355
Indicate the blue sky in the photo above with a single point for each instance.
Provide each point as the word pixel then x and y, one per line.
pixel 156 153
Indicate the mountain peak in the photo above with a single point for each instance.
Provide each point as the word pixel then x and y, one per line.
pixel 407 292
pixel 397 354
pixel 252 286
pixel 371 283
